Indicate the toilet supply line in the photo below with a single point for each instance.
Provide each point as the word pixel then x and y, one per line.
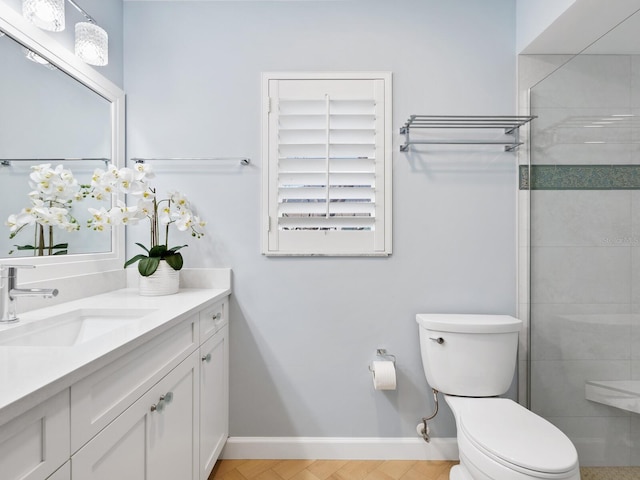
pixel 422 428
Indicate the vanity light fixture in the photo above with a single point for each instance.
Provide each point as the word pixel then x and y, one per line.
pixel 92 44
pixel 46 14
pixel 92 41
pixel 34 57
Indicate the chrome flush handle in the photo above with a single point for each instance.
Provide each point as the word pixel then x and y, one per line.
pixel 438 340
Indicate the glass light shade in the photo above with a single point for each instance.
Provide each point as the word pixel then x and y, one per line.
pixel 46 14
pixel 92 44
pixel 34 57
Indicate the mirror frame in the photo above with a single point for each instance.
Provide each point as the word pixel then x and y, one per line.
pixel 52 267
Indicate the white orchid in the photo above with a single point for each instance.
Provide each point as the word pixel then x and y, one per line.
pixel 121 214
pixel 99 218
pixel 184 220
pixel 174 210
pixel 52 197
pixel 145 207
pixel 143 170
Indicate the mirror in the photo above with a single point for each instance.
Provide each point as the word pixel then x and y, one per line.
pixel 48 117
pixel 56 110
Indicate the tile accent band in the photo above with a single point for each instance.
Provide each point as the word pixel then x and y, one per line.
pixel 579 177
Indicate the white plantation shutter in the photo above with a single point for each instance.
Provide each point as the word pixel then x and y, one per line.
pixel 328 175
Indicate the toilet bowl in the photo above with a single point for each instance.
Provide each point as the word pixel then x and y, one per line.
pixel 500 439
pixel 471 360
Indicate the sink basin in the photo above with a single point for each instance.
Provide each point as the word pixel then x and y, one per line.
pixel 71 328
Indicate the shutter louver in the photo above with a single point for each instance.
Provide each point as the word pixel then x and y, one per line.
pixel 326 164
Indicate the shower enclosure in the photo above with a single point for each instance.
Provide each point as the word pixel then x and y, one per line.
pixel 580 247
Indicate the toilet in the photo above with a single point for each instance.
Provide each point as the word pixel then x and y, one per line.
pixel 471 360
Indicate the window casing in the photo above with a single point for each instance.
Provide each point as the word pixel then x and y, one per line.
pixel 327 174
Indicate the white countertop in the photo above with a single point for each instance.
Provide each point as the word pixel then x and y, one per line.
pixel 30 375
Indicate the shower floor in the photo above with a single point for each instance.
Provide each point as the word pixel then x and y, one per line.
pixel 610 473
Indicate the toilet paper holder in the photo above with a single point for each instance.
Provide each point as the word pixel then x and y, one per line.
pixel 382 353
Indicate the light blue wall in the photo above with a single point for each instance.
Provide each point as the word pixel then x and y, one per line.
pixel 304 330
pixel 108 14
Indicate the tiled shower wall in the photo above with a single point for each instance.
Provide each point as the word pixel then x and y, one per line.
pixel 580 245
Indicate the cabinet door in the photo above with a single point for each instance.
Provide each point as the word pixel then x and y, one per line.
pixel 214 399
pixel 36 443
pixel 153 439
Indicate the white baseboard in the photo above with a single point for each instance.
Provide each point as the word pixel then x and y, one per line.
pixel 340 448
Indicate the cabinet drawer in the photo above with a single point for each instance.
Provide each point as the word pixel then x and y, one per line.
pixel 212 319
pixel 35 444
pixel 102 396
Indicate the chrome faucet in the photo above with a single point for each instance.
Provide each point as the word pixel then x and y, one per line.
pixel 9 292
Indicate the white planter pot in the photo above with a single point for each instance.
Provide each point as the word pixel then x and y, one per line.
pixel 164 281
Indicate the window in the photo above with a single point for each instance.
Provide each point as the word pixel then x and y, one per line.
pixel 327 164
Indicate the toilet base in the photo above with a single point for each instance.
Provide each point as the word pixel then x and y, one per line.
pixel 458 472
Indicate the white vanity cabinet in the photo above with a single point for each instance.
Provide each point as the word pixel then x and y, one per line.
pixel 36 443
pixel 176 429
pixel 154 439
pixel 214 386
pixel 158 412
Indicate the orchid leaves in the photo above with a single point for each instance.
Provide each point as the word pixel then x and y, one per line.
pixel 148 263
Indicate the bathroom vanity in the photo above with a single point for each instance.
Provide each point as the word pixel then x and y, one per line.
pixel 145 399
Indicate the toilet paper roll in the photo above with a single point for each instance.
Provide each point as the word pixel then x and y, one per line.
pixel 384 375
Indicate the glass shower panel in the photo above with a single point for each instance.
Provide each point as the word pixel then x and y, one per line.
pixel 584 237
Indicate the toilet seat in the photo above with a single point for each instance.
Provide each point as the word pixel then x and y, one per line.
pixel 516 438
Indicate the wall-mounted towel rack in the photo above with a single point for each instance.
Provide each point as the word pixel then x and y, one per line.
pixel 6 162
pixel 243 160
pixel 510 125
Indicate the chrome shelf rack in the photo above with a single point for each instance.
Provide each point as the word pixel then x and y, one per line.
pixel 508 123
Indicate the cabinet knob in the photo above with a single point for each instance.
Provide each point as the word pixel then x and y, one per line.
pixel 167 397
pixel 216 316
pixel 206 358
pixel 164 399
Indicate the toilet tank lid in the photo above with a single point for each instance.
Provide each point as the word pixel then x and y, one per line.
pixel 468 323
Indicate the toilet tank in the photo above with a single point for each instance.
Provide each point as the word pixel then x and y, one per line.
pixel 469 355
